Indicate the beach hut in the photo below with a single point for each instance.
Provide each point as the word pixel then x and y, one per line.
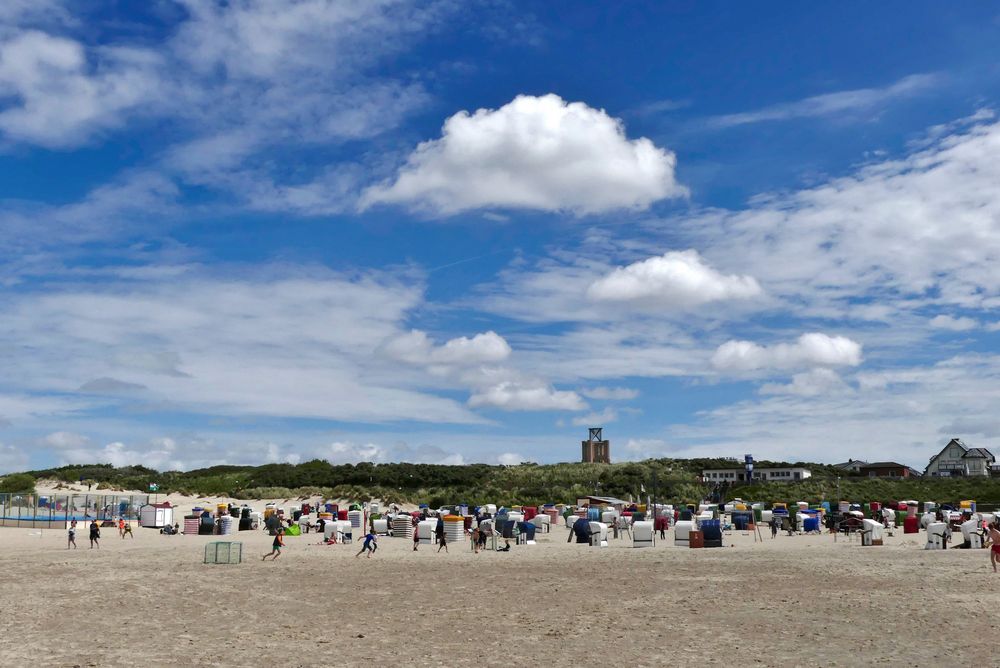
pixel 156 515
pixel 642 534
pixel 454 528
pixel 402 526
pixel 871 532
pixel 425 531
pixel 338 528
pixel 937 532
pixel 191 523
pixel 711 531
pixel 542 522
pixel 598 534
pixel 681 531
pixel 552 513
pixel 970 534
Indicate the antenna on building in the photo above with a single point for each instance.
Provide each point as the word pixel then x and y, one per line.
pixel 596 434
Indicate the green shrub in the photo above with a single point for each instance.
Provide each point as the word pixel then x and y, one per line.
pixel 17 483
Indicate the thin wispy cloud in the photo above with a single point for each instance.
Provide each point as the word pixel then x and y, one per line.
pixel 844 102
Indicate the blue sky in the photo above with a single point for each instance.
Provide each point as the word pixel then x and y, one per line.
pixel 465 231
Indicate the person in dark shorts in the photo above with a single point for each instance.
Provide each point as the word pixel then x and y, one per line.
pixel 276 546
pixel 95 535
pixel 370 545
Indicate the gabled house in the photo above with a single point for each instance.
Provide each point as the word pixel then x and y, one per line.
pixel 851 465
pixel 957 459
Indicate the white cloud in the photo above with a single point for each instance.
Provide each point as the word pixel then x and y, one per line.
pixel 839 104
pixel 809 384
pixel 813 349
pixel 675 279
pixel 415 347
pixel 516 396
pixel 280 343
pixel 605 416
pixel 960 324
pixel 533 153
pixel 12 459
pixel 511 458
pixel 349 452
pixel 645 448
pixel 62 99
pixel 66 440
pixel 160 454
pixel 610 393
pixel 910 412
pixel 905 233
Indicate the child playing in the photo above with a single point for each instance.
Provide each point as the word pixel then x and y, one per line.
pixel 276 546
pixel 72 535
pixel 371 544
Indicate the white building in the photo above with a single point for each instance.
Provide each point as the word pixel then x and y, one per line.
pixel 956 459
pixel 789 474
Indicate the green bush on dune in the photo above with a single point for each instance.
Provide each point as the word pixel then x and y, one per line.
pixel 17 483
pixel 529 483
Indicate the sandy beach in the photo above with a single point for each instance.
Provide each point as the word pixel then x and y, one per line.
pixel 793 600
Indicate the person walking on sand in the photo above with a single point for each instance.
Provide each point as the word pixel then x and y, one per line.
pixel 416 537
pixel 72 535
pixel 127 531
pixel 475 540
pixel 276 546
pixel 370 545
pixel 995 547
pixel 95 535
pixel 442 542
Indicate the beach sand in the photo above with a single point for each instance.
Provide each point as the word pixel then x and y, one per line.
pixel 794 600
